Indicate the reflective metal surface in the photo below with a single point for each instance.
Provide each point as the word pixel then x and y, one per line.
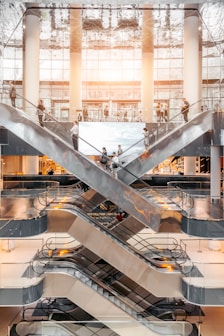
pixel 82 290
pixel 143 273
pixel 86 170
pixel 167 145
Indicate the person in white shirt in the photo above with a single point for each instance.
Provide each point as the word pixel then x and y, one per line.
pixel 114 164
pixel 75 134
pixel 146 137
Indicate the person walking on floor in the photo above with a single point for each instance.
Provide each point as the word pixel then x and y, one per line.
pixel 40 112
pixel 75 134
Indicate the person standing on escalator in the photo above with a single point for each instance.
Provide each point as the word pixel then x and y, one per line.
pixel 114 164
pixel 40 112
pixel 185 109
pixel 146 137
pixel 105 160
pixel 75 134
pixel 12 93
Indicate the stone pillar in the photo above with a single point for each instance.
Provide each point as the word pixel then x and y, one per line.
pixel 215 175
pixel 192 71
pixel 147 90
pixel 75 62
pixel 31 60
pixel 200 66
pixel 30 164
pixel 7 245
pixel 189 165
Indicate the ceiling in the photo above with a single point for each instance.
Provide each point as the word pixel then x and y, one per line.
pixel 115 26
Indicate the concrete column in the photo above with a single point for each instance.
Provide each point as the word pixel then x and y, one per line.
pixel 75 62
pixel 31 59
pixel 200 64
pixel 30 164
pixel 7 245
pixel 147 90
pixel 12 164
pixel 189 165
pixel 192 73
pixel 215 178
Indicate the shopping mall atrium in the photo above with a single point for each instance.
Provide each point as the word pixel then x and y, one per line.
pixel 111 171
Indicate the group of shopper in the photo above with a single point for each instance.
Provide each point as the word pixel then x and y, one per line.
pixel 111 164
pixel 161 110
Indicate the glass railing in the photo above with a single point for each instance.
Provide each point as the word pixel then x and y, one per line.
pixel 19 275
pixel 198 245
pixel 104 327
pixel 31 184
pixel 124 304
pixel 193 185
pixel 135 150
pixel 204 286
pixel 192 201
pixel 157 131
pixel 59 246
pixel 160 130
pixel 203 104
pixel 191 197
pixel 170 258
pixel 22 203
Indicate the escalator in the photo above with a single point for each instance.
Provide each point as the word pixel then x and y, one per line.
pixel 166 144
pixel 180 282
pixel 89 234
pixel 145 272
pixel 59 148
pixel 108 306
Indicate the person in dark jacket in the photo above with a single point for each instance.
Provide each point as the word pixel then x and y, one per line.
pixel 185 109
pixel 40 112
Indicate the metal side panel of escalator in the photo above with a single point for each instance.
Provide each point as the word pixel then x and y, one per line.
pixel 142 272
pixel 98 304
pixel 168 145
